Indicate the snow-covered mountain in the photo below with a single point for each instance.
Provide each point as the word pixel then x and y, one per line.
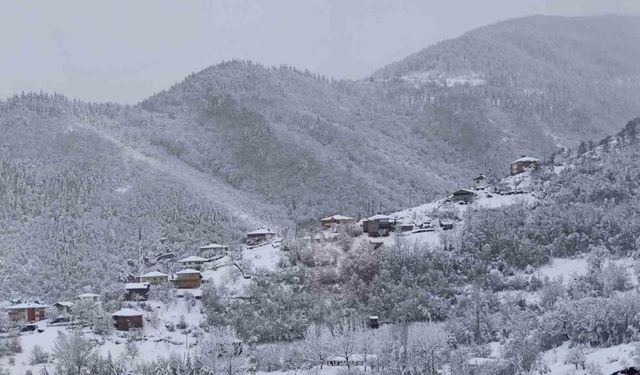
pixel 238 145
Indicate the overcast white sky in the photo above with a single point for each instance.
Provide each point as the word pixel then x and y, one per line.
pixel 125 50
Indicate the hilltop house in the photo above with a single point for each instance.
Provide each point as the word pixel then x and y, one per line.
pixel 187 279
pixel 330 221
pixel 153 278
pixel 463 195
pixel 213 250
pixel 259 236
pixel 126 319
pixel 194 262
pixel 379 225
pixel 30 312
pixel 524 164
pixel 480 182
pixel 137 291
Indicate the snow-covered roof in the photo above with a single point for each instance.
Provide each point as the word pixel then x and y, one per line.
pixel 127 312
pixel 88 295
pixel 336 218
pixel 193 258
pixel 373 317
pixel 480 177
pixel 260 232
pixel 525 159
pixel 379 217
pixel 134 286
pixel 213 246
pixel 26 305
pixel 154 274
pixel 187 272
pixel 64 303
pixel 463 191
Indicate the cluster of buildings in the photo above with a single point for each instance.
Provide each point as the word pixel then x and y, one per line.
pixel 188 277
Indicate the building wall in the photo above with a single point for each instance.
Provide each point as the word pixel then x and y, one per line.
pixel 23 314
pixel 125 323
pixel 156 280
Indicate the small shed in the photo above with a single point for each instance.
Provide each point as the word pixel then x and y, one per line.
pixel 30 312
pixel 480 182
pixel 525 163
pixel 194 262
pixel 187 279
pixel 374 321
pixel 126 319
pixel 137 291
pixel 153 278
pixel 259 236
pixel 463 195
pixel 446 224
pixel 330 221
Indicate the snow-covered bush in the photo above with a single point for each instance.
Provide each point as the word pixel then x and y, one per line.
pixel 38 355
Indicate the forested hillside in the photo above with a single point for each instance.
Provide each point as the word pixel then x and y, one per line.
pixel 523 84
pixel 238 145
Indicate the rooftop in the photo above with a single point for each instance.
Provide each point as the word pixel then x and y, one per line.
pixel 193 258
pixel 526 159
pixel 154 274
pixel 379 217
pixel 188 271
pixel 336 217
pixel 135 286
pixel 26 305
pixel 127 312
pixel 213 246
pixel 260 231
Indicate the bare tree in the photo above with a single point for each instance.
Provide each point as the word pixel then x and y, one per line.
pixel 428 347
pixel 220 352
pixel 316 346
pixel 74 354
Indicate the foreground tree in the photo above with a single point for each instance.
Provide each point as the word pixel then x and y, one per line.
pixel 74 354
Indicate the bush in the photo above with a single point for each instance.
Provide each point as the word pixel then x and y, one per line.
pixel 38 356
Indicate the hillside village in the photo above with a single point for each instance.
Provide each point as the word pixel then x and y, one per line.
pixel 158 310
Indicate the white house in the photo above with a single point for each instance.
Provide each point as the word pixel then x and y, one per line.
pixel 193 261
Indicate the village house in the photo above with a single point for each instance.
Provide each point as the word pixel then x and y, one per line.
pixel 480 182
pixel 63 307
pixel 29 312
pixel 213 250
pixel 187 279
pixel 525 163
pixel 259 236
pixel 463 195
pixel 126 319
pixel 153 278
pixel 89 297
pixel 379 225
pixel 331 221
pixel 137 291
pixel 194 262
